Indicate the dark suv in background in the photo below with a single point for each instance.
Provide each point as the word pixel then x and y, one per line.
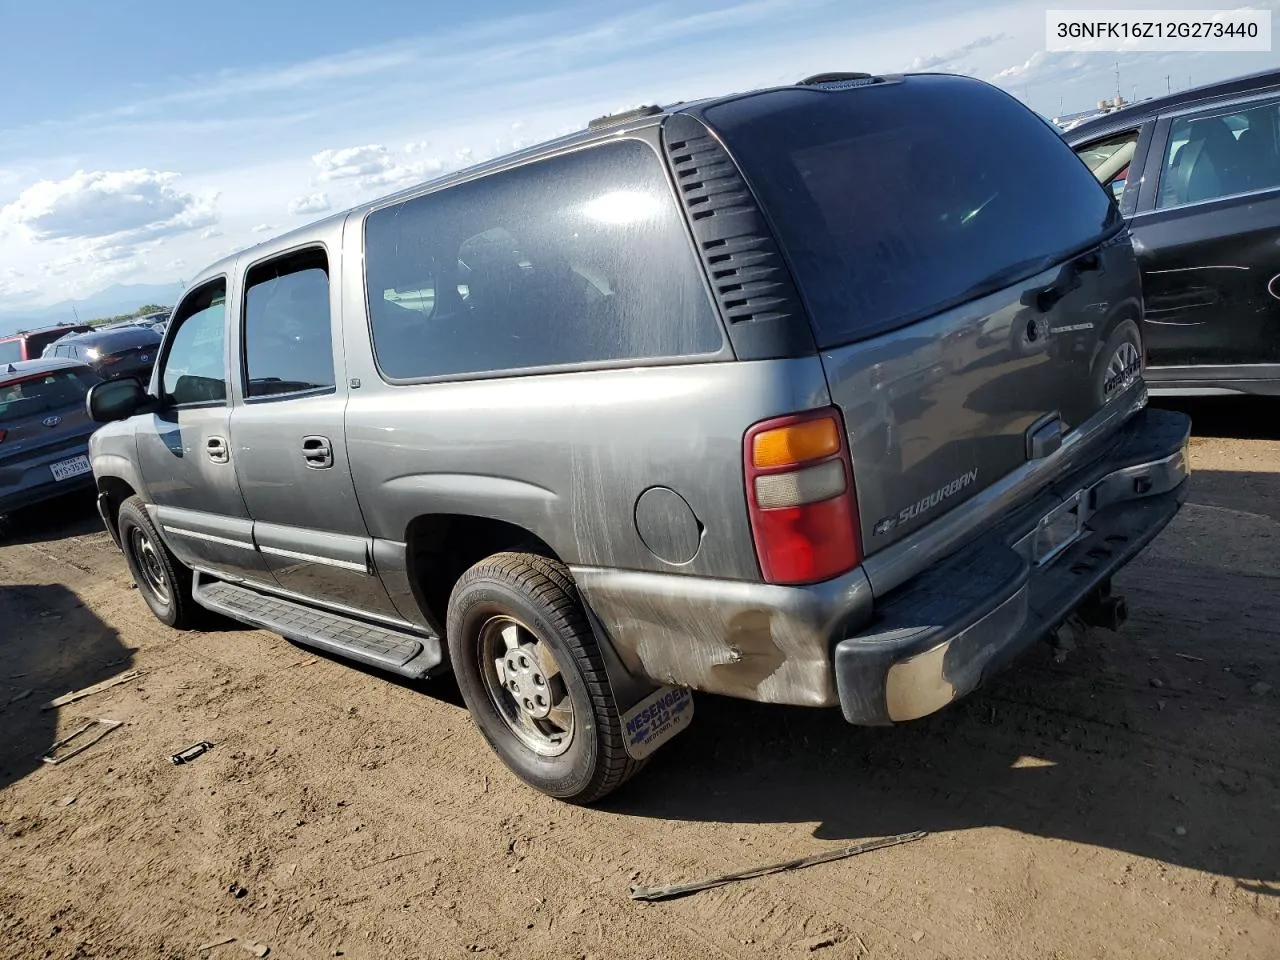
pixel 1197 175
pixel 127 350
pixel 751 396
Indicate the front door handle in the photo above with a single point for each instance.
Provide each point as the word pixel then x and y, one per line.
pixel 216 447
pixel 318 452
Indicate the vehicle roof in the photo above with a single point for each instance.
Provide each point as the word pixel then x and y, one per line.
pixel 21 369
pixel 1138 113
pixel 130 333
pixel 31 333
pixel 596 132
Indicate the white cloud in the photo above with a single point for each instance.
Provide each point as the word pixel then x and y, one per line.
pixel 372 166
pixel 351 162
pixel 177 264
pixel 125 205
pixel 311 203
pixel 952 57
pixel 210 233
pixel 263 228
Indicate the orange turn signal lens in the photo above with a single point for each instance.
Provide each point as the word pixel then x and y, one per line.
pixel 797 443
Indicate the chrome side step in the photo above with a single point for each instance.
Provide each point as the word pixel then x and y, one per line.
pixel 406 654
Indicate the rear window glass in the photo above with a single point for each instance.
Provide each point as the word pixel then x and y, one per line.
pixel 577 258
pixel 38 395
pixel 895 202
pixel 11 351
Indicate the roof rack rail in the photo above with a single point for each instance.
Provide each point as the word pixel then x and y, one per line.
pixel 835 77
pixel 610 119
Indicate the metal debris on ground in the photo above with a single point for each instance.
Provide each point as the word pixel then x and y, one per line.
pixel 215 943
pixel 106 726
pixel 671 891
pixel 308 662
pixel 75 695
pixel 1189 657
pixel 190 753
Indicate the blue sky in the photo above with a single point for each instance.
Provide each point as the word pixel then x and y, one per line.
pixel 140 141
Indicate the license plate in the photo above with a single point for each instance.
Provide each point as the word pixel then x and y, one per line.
pixel 75 467
pixel 1057 531
pixel 656 719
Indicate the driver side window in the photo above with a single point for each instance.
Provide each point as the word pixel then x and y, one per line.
pixel 195 368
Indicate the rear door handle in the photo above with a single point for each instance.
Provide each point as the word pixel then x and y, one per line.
pixel 216 447
pixel 318 452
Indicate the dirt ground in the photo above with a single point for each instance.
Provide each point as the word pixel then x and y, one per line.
pixel 1124 803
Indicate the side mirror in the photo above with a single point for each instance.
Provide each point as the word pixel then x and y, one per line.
pixel 114 400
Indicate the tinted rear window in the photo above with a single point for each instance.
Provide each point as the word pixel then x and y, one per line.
pixel 577 258
pixel 40 395
pixel 894 202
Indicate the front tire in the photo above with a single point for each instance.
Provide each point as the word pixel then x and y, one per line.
pixel 533 678
pixel 1119 362
pixel 163 581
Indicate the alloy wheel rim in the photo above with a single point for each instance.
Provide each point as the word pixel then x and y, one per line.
pixel 1123 368
pixel 526 686
pixel 147 560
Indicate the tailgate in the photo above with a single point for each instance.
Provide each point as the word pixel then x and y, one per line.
pixel 964 274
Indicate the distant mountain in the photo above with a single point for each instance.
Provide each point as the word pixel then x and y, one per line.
pixel 116 299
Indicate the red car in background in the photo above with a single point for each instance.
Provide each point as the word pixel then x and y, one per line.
pixel 29 344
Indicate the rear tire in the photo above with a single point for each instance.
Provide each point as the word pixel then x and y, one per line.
pixel 1119 362
pixel 163 581
pixel 532 676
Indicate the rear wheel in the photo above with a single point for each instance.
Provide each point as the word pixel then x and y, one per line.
pixel 533 678
pixel 163 581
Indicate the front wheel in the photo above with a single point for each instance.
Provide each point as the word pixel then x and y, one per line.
pixel 1119 362
pixel 533 678
pixel 163 581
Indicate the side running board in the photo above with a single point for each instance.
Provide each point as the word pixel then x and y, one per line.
pixel 398 652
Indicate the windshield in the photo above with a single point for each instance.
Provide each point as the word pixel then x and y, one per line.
pixel 895 202
pixel 56 390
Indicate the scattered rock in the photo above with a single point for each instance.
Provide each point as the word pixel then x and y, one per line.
pixel 237 890
pixel 1260 689
pixel 66 801
pixel 1180 830
pixel 917 936
pixel 257 949
pixel 1161 704
pixel 1156 682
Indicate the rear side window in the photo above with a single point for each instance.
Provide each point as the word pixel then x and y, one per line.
pixel 1221 155
pixel 41 394
pixel 898 201
pixel 579 258
pixel 11 351
pixel 288 339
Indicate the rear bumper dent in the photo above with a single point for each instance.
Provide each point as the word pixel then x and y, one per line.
pixel 943 634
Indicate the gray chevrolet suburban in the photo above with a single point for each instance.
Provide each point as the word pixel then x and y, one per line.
pixel 825 395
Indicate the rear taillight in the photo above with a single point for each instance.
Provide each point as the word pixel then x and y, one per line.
pixel 804 517
pixel 3 434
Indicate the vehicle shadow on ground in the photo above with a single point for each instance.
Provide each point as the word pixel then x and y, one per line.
pixel 50 644
pixel 71 516
pixel 1157 741
pixel 1238 418
pixel 990 761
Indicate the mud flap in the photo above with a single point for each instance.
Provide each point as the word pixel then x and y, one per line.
pixel 656 719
